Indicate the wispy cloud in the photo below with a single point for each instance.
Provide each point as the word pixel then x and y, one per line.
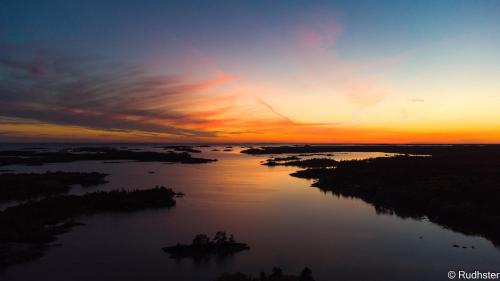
pixel 101 96
pixel 123 98
pixel 268 106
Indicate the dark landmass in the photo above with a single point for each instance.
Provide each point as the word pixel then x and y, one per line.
pixel 457 187
pixel 403 149
pixel 228 149
pixel 28 229
pixel 215 149
pixel 306 163
pixel 463 247
pixel 182 148
pixel 91 149
pixel 203 247
pixel 12 157
pixel 203 145
pixel 276 275
pixel 22 186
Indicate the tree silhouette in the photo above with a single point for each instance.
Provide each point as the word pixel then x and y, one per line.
pixel 306 275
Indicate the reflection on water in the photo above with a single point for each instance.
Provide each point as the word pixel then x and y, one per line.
pixel 285 221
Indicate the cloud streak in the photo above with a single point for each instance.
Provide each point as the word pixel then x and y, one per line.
pixel 268 106
pixel 130 99
pixel 102 96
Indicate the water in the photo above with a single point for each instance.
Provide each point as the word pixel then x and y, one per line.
pixel 286 222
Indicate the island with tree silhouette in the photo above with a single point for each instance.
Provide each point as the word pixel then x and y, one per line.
pixel 203 246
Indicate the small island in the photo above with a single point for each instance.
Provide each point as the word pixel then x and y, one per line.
pixel 276 275
pixel 183 148
pixel 202 247
pixel 296 162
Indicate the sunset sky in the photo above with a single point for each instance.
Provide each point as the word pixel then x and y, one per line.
pixel 250 71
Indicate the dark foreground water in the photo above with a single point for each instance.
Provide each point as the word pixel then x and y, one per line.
pixel 286 222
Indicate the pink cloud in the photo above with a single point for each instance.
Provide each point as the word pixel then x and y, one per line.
pixel 319 29
pixel 319 35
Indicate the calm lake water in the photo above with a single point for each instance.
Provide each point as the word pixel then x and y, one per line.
pixel 286 222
